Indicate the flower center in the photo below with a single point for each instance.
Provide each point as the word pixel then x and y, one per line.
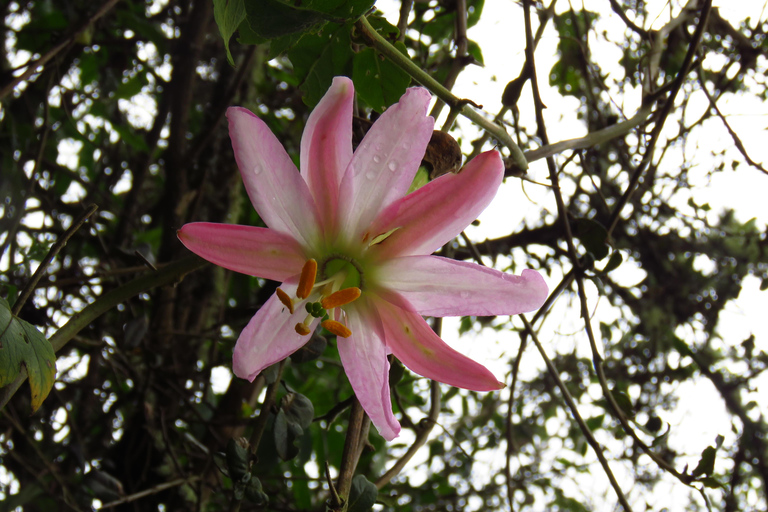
pixel 341 285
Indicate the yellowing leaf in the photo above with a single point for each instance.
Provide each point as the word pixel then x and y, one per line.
pixel 21 343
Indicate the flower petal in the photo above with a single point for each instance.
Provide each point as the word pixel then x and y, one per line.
pixel 413 342
pixel 275 187
pixel 430 217
pixel 326 146
pixel 254 251
pixel 364 357
pixel 383 166
pixel 437 286
pixel 270 336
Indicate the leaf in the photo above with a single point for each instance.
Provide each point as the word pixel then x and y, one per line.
pixel 712 483
pixel 362 495
pixel 270 18
pixel 21 343
pixel 378 81
pixel 614 261
pixel 706 465
pixel 229 14
pixel 292 420
pixel 238 463
pixel 131 87
pixel 317 58
pixel 593 235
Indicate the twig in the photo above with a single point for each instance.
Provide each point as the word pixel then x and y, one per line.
pixel 422 435
pixel 351 453
pixel 150 491
pixel 736 140
pixel 575 412
pixel 664 113
pixel 32 67
pixel 58 246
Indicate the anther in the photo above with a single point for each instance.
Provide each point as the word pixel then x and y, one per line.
pixel 336 328
pixel 340 298
pixel 307 279
pixel 302 329
pixel 285 299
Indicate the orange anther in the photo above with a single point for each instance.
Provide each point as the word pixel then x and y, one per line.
pixel 285 299
pixel 302 329
pixel 307 279
pixel 337 328
pixel 340 298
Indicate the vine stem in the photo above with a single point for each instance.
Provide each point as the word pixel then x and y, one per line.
pixel 406 64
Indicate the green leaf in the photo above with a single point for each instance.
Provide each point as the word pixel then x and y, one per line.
pixel 712 483
pixel 131 87
pixel 706 465
pixel 317 58
pixel 377 80
pixel 593 235
pixel 128 136
pixel 21 343
pixel 270 18
pixel 229 14
pixel 362 495
pixel 238 460
pixel 475 51
pixel 614 261
pixel 292 420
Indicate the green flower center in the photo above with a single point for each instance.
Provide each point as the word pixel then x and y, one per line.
pixel 344 272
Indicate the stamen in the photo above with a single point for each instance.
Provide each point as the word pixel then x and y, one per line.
pixel 285 299
pixel 307 279
pixel 302 329
pixel 340 298
pixel 336 328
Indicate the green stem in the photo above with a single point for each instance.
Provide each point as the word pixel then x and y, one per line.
pixel 169 274
pixel 404 62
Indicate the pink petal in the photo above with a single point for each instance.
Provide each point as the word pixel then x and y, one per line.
pixel 383 166
pixel 326 146
pixel 433 215
pixel 254 251
pixel 364 357
pixel 413 342
pixel 437 286
pixel 275 187
pixel 270 335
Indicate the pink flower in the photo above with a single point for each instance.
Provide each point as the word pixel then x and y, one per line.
pixel 351 247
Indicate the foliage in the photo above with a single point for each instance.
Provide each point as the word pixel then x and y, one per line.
pixel 122 104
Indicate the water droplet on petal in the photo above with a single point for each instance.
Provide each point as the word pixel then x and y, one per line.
pixel 406 145
pixel 376 158
pixel 256 170
pixel 392 165
pixel 370 175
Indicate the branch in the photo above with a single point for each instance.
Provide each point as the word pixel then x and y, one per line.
pixel 36 66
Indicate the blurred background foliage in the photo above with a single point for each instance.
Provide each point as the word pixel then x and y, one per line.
pixel 121 105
